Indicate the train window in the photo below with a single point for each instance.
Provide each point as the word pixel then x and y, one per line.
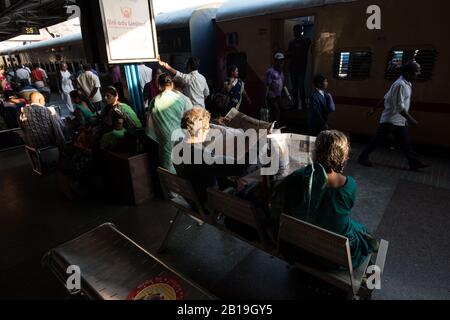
pixel 232 39
pixel 425 57
pixel 353 65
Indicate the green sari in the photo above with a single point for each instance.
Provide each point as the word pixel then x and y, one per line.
pixel 164 118
pixel 84 116
pixel 306 196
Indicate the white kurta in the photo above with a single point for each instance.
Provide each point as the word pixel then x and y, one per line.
pixel 67 88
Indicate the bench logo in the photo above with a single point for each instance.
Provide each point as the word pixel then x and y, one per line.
pixel 73 283
pixel 374 20
pixel 374 278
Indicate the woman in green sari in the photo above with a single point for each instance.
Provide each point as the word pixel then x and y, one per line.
pixel 122 110
pixel 321 195
pixel 164 118
pixel 83 111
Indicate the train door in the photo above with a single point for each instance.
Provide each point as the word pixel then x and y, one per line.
pixel 283 34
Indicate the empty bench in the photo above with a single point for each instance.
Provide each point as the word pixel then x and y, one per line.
pixel 113 267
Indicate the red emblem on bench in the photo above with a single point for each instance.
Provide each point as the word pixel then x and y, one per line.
pixel 159 288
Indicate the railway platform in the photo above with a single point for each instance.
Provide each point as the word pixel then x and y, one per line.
pixel 409 209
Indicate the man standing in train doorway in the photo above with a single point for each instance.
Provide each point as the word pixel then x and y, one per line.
pixel 298 53
pixel 396 118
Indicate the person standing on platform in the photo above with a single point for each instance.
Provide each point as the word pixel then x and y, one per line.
pixel 235 88
pixel 145 75
pixel 23 73
pixel 196 85
pixel 321 105
pixel 396 118
pixel 65 86
pixel 164 117
pixel 90 86
pixel 298 53
pixel 38 77
pixel 275 86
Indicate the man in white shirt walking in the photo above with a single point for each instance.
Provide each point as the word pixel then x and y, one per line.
pixel 196 86
pixel 396 118
pixel 66 86
pixel 90 86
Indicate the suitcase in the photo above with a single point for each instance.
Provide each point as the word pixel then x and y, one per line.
pixel 113 267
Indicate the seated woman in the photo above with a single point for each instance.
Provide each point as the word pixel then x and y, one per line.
pixel 11 108
pixel 195 124
pixel 164 117
pixel 321 195
pixel 26 90
pixel 114 106
pixel 83 110
pixel 13 101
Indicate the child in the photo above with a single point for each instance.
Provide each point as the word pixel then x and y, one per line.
pixel 321 105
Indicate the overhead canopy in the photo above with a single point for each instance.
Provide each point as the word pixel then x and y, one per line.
pixel 238 9
pixel 29 13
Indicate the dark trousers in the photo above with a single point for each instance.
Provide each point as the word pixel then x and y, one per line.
pixel 274 107
pixel 402 138
pixel 298 87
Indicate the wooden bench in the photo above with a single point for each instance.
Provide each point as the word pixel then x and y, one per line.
pixel 130 177
pixel 113 267
pixel 180 193
pixel 42 159
pixel 333 248
pixel 311 239
pixel 243 212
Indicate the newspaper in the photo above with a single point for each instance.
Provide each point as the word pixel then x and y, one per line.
pixel 238 120
pixel 296 152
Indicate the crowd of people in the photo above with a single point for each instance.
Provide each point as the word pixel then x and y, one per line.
pixel 101 120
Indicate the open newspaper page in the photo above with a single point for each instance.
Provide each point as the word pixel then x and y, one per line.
pixel 238 120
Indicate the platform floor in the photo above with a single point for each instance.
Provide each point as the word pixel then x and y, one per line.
pixel 409 209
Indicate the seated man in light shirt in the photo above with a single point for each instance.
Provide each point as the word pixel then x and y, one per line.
pixel 196 86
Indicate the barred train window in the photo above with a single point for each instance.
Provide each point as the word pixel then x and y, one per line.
pixel 353 65
pixel 426 58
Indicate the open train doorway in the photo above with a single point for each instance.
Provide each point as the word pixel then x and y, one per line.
pixel 299 62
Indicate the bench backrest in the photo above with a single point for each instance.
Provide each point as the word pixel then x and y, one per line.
pixel 236 209
pixel 182 187
pixel 317 241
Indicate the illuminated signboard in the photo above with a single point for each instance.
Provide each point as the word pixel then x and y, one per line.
pixel 130 31
pixel 30 31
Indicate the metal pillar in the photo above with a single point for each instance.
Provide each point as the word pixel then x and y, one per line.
pixel 134 89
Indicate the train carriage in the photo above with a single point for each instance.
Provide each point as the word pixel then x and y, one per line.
pixel 357 61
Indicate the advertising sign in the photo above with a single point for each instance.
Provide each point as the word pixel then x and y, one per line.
pixel 130 31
